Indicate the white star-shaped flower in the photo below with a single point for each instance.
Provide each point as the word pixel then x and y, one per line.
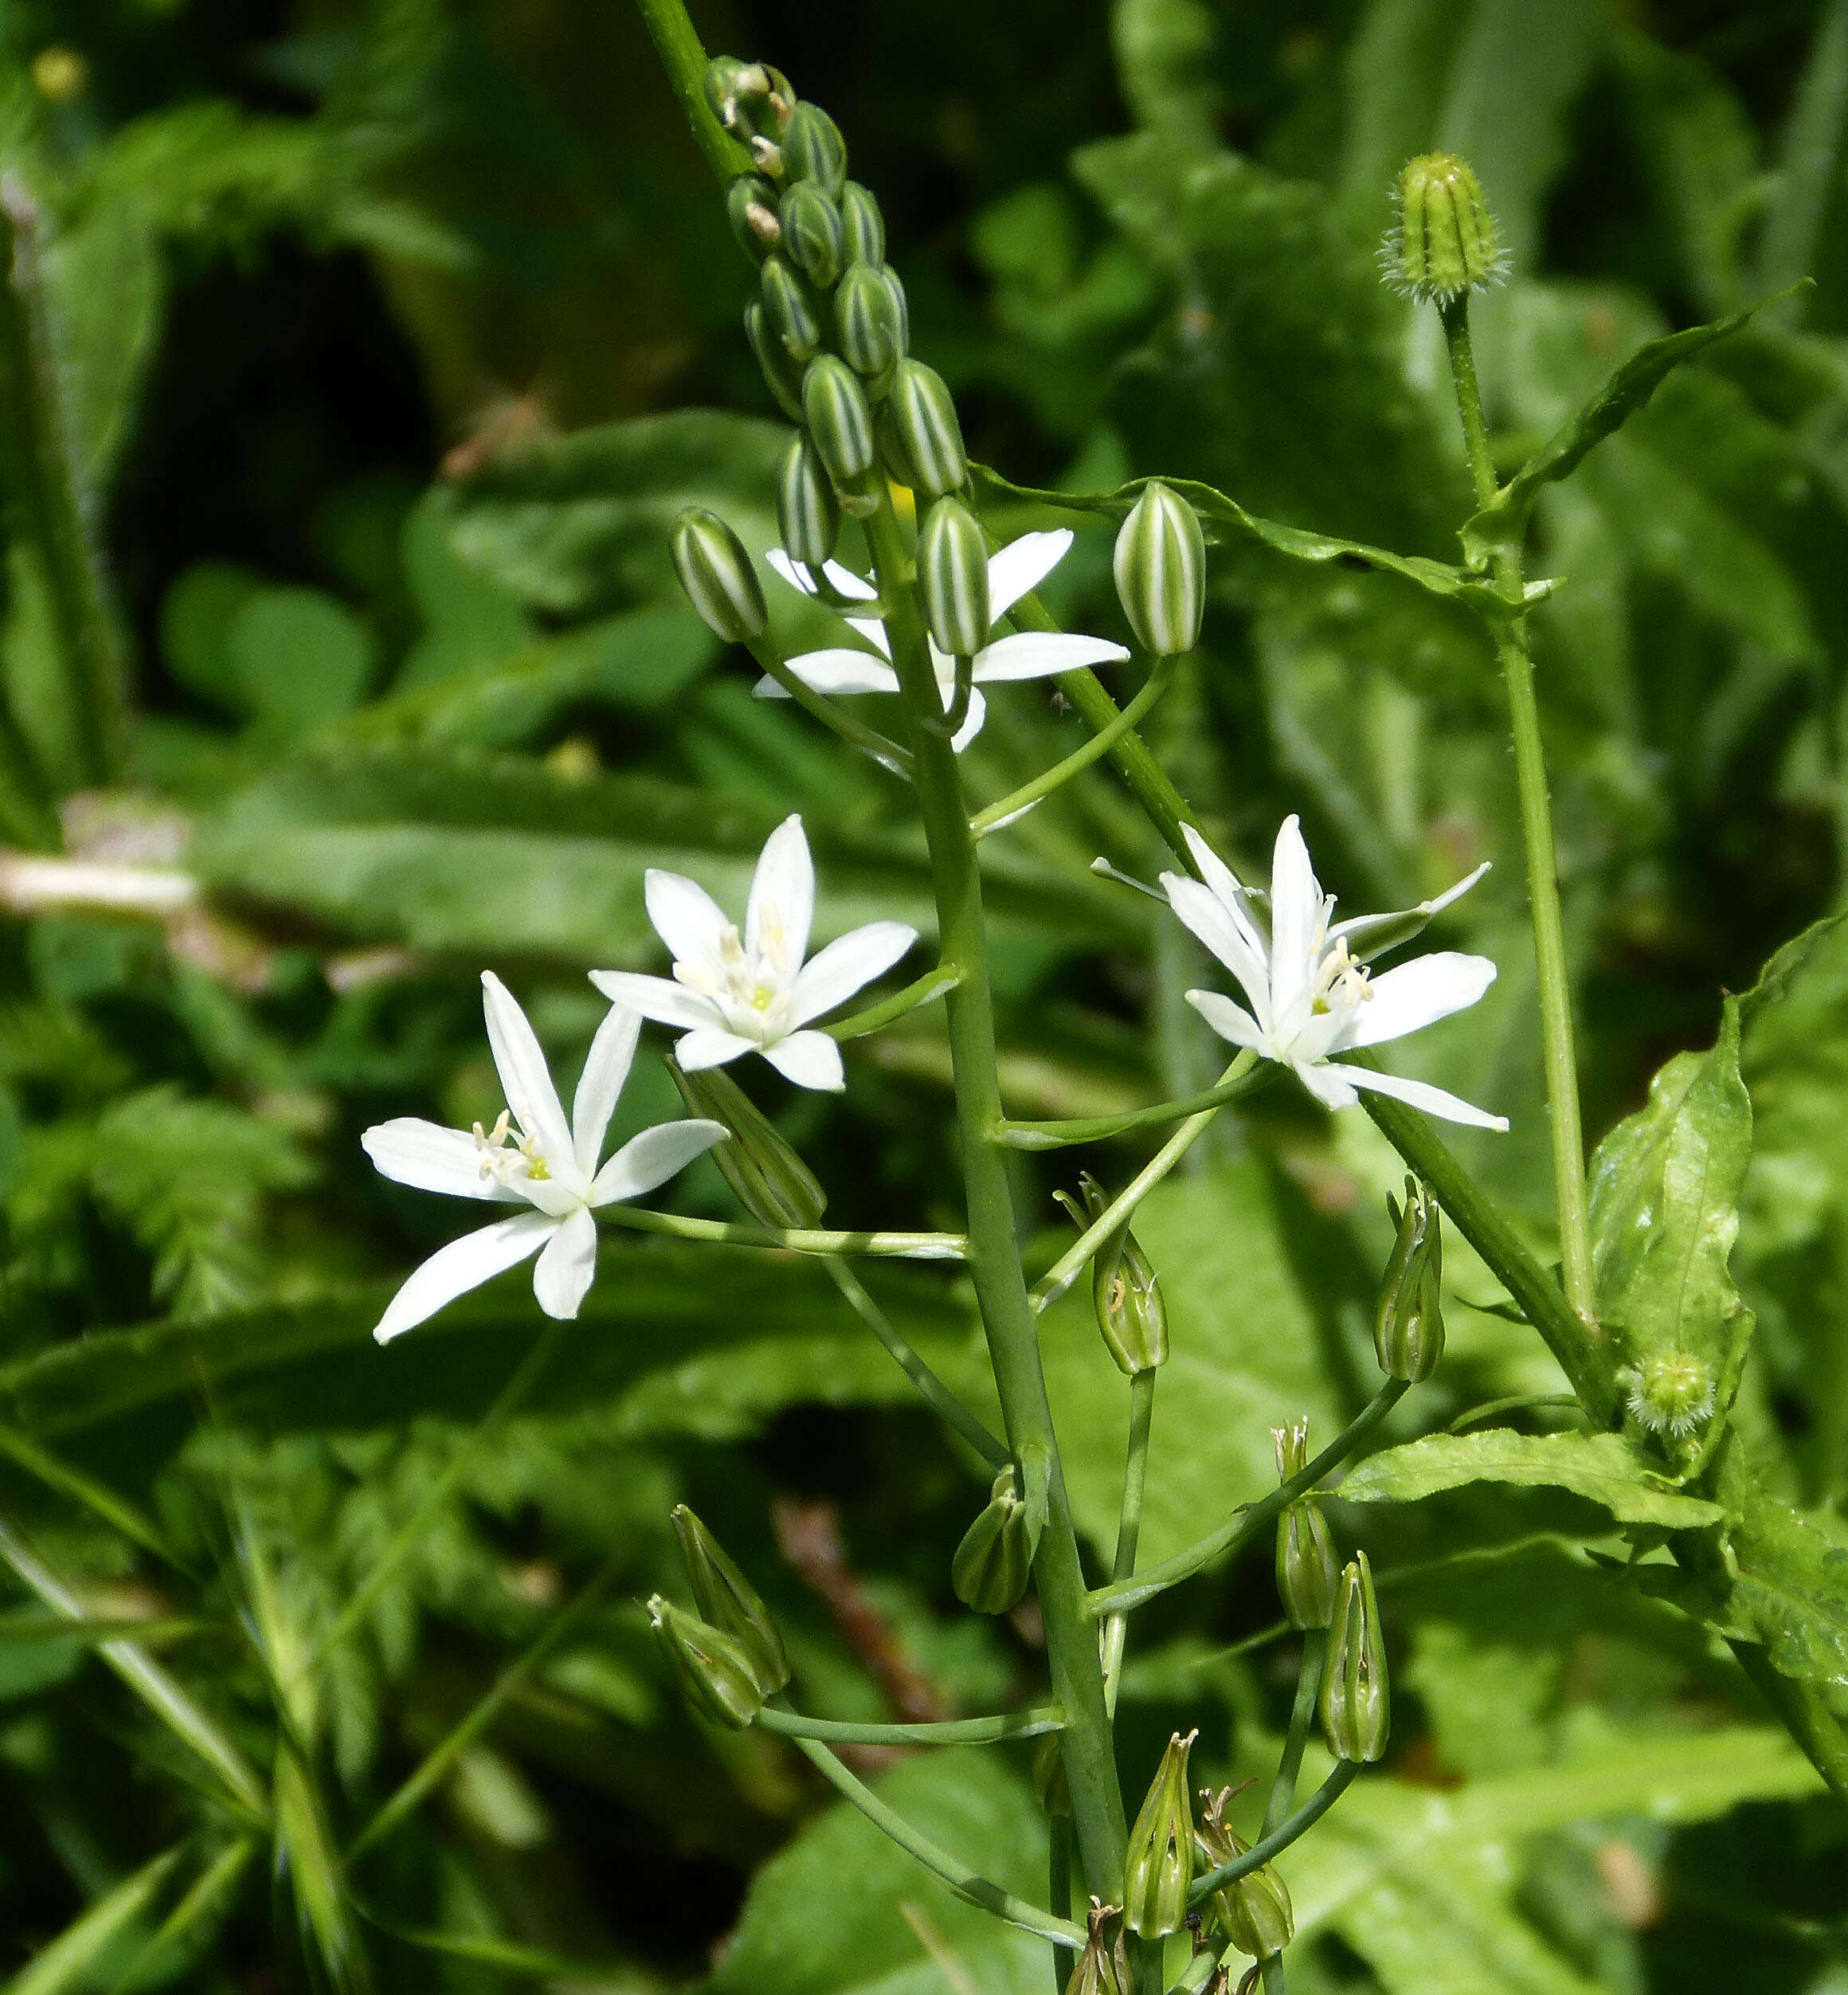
pixel 540 1162
pixel 1310 994
pixel 752 993
pixel 1021 566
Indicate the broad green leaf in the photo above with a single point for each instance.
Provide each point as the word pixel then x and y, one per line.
pixel 1163 50
pixel 72 1960
pixel 1792 1586
pixel 1601 1466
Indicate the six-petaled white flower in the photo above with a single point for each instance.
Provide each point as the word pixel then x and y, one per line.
pixel 540 1162
pixel 752 992
pixel 1021 566
pixel 1310 994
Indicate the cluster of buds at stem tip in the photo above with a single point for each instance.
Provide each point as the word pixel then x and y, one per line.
pixel 1308 1572
pixel 1124 1290
pixel 995 1560
pixel 1103 1967
pixel 1356 1713
pixel 771 1181
pixel 729 1657
pixel 718 577
pixel 1255 1911
pixel 1443 245
pixel 1408 1333
pixel 1161 571
pixel 1159 1872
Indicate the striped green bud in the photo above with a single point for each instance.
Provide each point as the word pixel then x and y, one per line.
pixel 772 1183
pixel 834 406
pixel 862 224
pixel 781 374
pixel 1254 1910
pixel 1125 1293
pixel 808 513
pixel 1308 1572
pixel 751 206
pixel 718 577
pixel 814 150
pixel 811 229
pixel 728 1602
pixel 1102 1967
pixel 789 307
pixel 872 319
pixel 1159 1873
pixel 925 430
pixel 1408 1331
pixel 1161 571
pixel 715 1675
pixel 1443 243
pixel 1356 1712
pixel 952 575
pixel 995 1560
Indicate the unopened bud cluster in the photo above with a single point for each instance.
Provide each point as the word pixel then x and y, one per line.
pixel 729 1657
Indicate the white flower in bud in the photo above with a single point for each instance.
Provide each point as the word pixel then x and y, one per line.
pixel 1161 571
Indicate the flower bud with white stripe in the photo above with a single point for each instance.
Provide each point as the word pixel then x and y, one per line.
pixel 718 577
pixel 953 573
pixel 810 224
pixel 808 513
pixel 924 426
pixel 835 407
pixel 871 315
pixel 814 150
pixel 863 226
pixel 789 308
pixel 1161 571
pixel 750 206
pixel 781 375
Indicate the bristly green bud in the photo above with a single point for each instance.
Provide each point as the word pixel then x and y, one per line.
pixel 995 1560
pixel 1670 1393
pixel 1357 1710
pixel 925 430
pixel 864 226
pixel 718 577
pixel 1123 1291
pixel 1254 1910
pixel 772 1182
pixel 781 374
pixel 728 1602
pixel 808 513
pixel 1408 1333
pixel 1159 1872
pixel 1103 1967
pixel 1161 571
pixel 1308 1572
pixel 751 206
pixel 835 407
pixel 814 150
pixel 811 229
pixel 953 573
pixel 870 316
pixel 789 306
pixel 715 1675
pixel 1443 243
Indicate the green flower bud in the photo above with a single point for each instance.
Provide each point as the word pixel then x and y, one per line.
pixel 925 430
pixel 811 227
pixel 780 373
pixel 718 577
pixel 995 1560
pixel 1443 243
pixel 1159 1873
pixel 1103 1967
pixel 862 225
pixel 1408 1333
pixel 1670 1393
pixel 753 101
pixel 835 407
pixel 1161 571
pixel 953 573
pixel 772 1182
pixel 808 513
pixel 1123 1291
pixel 729 1602
pixel 869 314
pixel 717 1678
pixel 1356 1712
pixel 1254 1910
pixel 814 150
pixel 750 206
pixel 789 307
pixel 1308 1572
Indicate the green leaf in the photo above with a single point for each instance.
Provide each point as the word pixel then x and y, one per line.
pixel 70 1962
pixel 1601 1467
pixel 1792 1586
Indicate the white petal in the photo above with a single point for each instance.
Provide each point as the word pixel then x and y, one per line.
pixel 523 1073
pixel 782 899
pixel 1041 654
pixel 686 917
pixel 971 725
pixel 606 1069
pixel 810 1059
pixel 1230 1021
pixel 846 964
pixel 463 1264
pixel 1360 925
pixel 1022 565
pixel 657 997
pixel 846 583
pixel 565 1270
pixel 1295 915
pixel 712 1046
pixel 1416 994
pixel 1219 876
pixel 793 572
pixel 874 632
pixel 411 1152
pixel 767 688
pixel 843 671
pixel 1418 1094
pixel 652 1158
pixel 1218 925
pixel 1329 1085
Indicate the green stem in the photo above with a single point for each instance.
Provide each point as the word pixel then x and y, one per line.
pixel 1246 1524
pixel 684 60
pixel 1308 1682
pixel 888 754
pixel 1059 1892
pixel 1280 1838
pixel 934 983
pixel 948 1731
pixel 1543 893
pixel 1128 1525
pixel 965 1882
pixel 1245 1076
pixel 801 1240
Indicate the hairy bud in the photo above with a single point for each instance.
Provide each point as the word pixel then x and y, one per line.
pixel 871 315
pixel 1159 1872
pixel 1161 571
pixel 808 513
pixel 716 1676
pixel 925 429
pixel 1308 1572
pixel 995 1560
pixel 1102 1968
pixel 751 206
pixel 862 224
pixel 1443 243
pixel 1356 1712
pixel 1125 1293
pixel 718 577
pixel 1408 1332
pixel 835 407
pixel 953 573
pixel 814 150
pixel 811 231
pixel 1254 1910
pixel 728 1602
pixel 771 1181
pixel 789 308
pixel 1671 1393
